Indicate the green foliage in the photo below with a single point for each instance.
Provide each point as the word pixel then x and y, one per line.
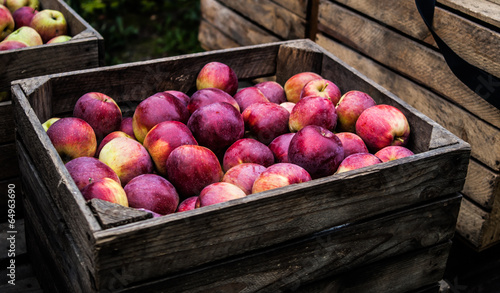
pixel 143 29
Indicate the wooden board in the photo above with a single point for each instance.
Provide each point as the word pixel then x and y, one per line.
pixel 212 38
pixel 482 10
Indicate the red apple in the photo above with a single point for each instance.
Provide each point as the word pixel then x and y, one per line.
pixel 162 139
pixel 7 24
pixel 72 138
pixel 279 175
pixel 155 109
pixel 179 95
pixel 26 35
pixel 127 157
pixel 14 5
pixel 152 192
pixel 266 121
pixel 188 204
pixel 126 126
pixel 209 96
pixel 288 106
pixel 217 126
pixel 273 91
pixel 100 111
pixel 106 189
pixel 190 168
pixel 249 95
pixel 393 152
pixel 317 150
pixel 23 16
pixel 11 45
pixel 313 110
pixel 85 170
pixel 247 150
pixel 321 88
pixel 352 143
pixel 294 85
pixel 383 125
pixel 219 192
pixel 356 161
pixel 217 75
pixel 243 175
pixel 350 106
pixel 279 147
pixel 49 23
pixel 108 138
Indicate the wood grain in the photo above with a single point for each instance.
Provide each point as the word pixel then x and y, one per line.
pixel 480 9
pixel 111 215
pixel 299 7
pixel 6 122
pixel 409 58
pixel 212 38
pixel 482 185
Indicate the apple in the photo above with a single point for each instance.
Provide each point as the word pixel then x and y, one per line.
pixel 188 204
pixel 219 192
pixel 247 150
pixel 349 107
pixel 217 126
pixel 317 150
pixel 266 121
pixel 273 91
pixel 23 16
pixel 217 75
pixel 7 24
pixel 184 98
pixel 208 96
pixel 162 139
pixel 243 175
pixel 127 157
pixel 26 35
pixel 279 147
pixel 152 192
pixel 108 138
pixel 313 110
pixel 356 161
pixel 155 109
pixel 352 143
pixel 393 152
pixel 249 95
pixel 100 111
pixel 14 5
pixel 383 125
pixel 126 126
pixel 288 106
pixel 59 39
pixel 294 85
pixel 85 170
pixel 279 175
pixel 49 24
pixel 49 122
pixel 106 189
pixel 322 88
pixel 192 167
pixel 72 138
pixel 11 45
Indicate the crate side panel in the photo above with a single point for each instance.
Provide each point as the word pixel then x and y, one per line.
pixel 211 38
pixel 480 10
pixel 482 185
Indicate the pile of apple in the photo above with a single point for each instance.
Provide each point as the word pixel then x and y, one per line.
pixel 23 25
pixel 181 152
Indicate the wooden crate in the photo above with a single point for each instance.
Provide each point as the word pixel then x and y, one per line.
pixel 316 234
pixel 389 43
pixel 84 51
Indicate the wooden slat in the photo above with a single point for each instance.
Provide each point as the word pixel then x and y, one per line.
pixel 233 25
pixel 479 9
pixel 298 7
pixel 402 54
pixel 376 250
pixel 271 16
pixel 472 41
pixel 212 38
pixel 6 122
pixel 9 167
pixel 482 185
pixel 471 222
pixel 111 215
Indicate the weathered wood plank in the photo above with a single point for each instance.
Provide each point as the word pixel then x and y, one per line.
pixel 338 254
pixel 471 222
pixel 479 9
pixel 212 38
pixel 299 7
pixel 484 138
pixel 411 59
pixel 111 215
pixel 7 122
pixel 4 197
pixel 482 185
pixel 233 25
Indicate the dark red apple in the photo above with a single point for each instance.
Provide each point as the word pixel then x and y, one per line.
pixel 217 75
pixel 152 192
pixel 279 147
pixel 313 110
pixel 243 175
pixel 273 91
pixel 249 95
pixel 352 143
pixel 219 192
pixel 188 204
pixel 266 121
pixel 184 98
pixel 350 106
pixel 209 96
pixel 279 175
pixel 106 189
pixel 322 88
pixel 247 150
pixel 85 170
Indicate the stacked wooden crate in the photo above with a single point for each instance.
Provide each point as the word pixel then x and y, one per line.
pixel 389 42
pixel 85 50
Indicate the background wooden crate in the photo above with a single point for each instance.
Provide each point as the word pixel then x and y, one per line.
pixel 389 42
pixel 365 217
pixel 85 50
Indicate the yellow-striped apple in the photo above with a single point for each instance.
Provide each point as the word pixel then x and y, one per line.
pixel 321 88
pixel 25 35
pixel 49 23
pixel 317 150
pixel 106 189
pixel 85 170
pixel 59 39
pixel 7 24
pixel 72 138
pixel 108 138
pixel 247 150
pixel 266 121
pixel 14 5
pixel 279 175
pixel 350 106
pixel 356 161
pixel 219 192
pixel 352 143
pixel 152 192
pixel 393 152
pixel 243 175
pixel 217 75
pixel 313 110
pixel 294 85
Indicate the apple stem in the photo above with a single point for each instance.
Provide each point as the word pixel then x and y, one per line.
pixel 324 88
pixel 400 139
